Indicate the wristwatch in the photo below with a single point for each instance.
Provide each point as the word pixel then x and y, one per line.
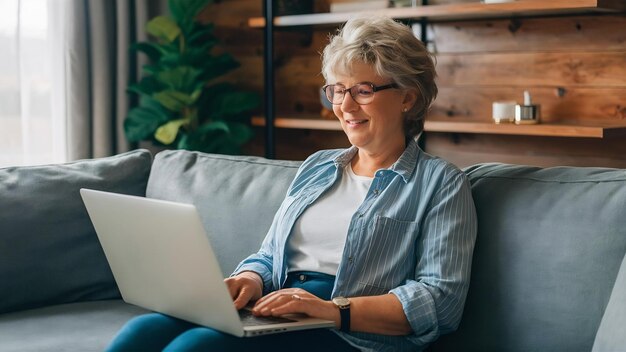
pixel 344 311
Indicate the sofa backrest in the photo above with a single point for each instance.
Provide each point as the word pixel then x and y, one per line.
pixel 549 247
pixel 236 196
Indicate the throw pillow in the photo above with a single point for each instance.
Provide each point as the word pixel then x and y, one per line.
pixel 49 252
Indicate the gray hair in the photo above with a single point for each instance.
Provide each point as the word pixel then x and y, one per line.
pixel 394 52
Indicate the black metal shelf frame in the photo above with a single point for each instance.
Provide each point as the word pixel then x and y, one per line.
pixel 268 69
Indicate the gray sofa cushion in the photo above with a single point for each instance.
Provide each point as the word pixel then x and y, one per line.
pixel 86 326
pixel 49 252
pixel 236 196
pixel 550 243
pixel 611 335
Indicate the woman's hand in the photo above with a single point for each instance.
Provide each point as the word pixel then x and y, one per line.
pixel 244 287
pixel 296 300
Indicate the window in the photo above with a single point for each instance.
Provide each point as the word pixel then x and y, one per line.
pixel 32 82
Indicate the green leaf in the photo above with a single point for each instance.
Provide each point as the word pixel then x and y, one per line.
pixel 200 141
pixel 166 134
pixel 163 28
pixel 197 56
pixel 174 100
pixel 149 102
pixel 233 103
pixel 152 68
pixel 217 66
pixel 184 12
pixel 239 132
pixel 183 142
pixel 203 34
pixel 195 95
pixel 205 102
pixel 225 144
pixel 219 88
pixel 213 126
pixel 152 50
pixel 182 78
pixel 142 121
pixel 171 59
pixel 218 137
pixel 147 86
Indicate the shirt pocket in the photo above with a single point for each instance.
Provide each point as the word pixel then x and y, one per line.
pixel 389 257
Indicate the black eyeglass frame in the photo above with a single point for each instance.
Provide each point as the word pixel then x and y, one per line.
pixel 375 89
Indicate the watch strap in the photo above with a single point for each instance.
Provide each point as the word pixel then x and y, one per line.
pixel 345 319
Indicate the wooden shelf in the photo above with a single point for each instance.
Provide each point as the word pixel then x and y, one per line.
pixel 310 123
pixel 546 130
pixel 460 11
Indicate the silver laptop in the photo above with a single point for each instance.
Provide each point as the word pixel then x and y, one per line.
pixel 162 260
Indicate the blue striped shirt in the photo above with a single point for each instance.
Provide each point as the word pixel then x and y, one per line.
pixel 413 236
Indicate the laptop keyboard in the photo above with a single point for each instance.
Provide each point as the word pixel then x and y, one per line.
pixel 248 319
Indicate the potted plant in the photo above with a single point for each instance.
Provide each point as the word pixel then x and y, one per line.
pixel 179 105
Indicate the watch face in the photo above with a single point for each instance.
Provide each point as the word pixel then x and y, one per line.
pixel 341 301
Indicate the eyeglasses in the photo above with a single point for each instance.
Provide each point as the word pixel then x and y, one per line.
pixel 362 93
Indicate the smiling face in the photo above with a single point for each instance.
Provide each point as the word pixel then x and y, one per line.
pixel 379 125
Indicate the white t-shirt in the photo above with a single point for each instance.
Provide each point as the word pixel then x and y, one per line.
pixel 319 235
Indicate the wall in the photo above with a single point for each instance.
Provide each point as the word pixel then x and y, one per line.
pixel 575 67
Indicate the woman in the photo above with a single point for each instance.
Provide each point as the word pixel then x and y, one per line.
pixel 385 229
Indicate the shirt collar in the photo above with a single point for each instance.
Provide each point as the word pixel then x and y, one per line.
pixel 344 157
pixel 404 166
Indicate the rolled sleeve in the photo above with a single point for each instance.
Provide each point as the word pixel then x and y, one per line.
pixel 419 308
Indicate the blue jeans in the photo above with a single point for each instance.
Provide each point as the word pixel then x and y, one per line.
pixel 159 332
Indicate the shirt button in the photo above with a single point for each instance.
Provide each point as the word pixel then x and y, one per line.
pixel 302 277
pixel 350 259
pixel 376 192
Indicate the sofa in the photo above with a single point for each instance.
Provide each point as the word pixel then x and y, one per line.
pixel 548 273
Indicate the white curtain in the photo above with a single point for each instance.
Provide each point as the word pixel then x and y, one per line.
pixel 32 82
pixel 64 69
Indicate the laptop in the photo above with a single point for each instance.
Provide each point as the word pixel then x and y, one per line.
pixel 162 260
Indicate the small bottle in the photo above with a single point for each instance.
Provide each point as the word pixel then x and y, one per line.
pixel 528 113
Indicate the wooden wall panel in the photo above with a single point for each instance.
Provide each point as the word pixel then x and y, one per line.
pixel 556 34
pixel 558 104
pixel 468 149
pixel 575 67
pixel 566 69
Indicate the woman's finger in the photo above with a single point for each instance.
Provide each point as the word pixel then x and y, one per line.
pixel 281 298
pixel 233 287
pixel 269 301
pixel 284 291
pixel 295 305
pixel 242 299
